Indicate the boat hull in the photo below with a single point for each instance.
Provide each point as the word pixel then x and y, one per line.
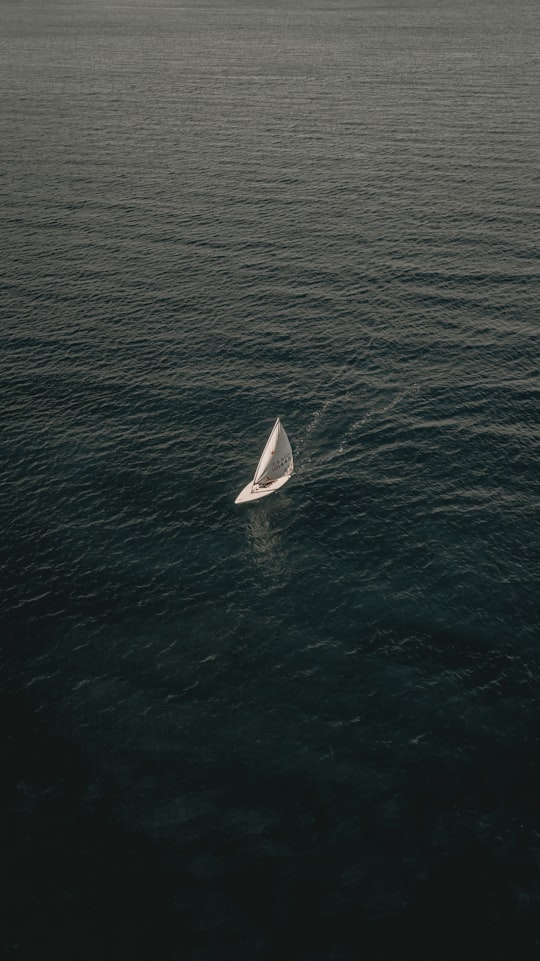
pixel 252 492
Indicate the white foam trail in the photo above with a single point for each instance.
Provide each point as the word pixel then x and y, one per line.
pixel 348 436
pixel 373 413
pixel 300 444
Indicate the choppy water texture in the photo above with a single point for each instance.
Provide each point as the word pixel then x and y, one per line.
pixel 306 729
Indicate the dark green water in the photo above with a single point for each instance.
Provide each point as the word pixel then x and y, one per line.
pixel 307 729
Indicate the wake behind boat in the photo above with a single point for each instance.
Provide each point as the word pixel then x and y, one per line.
pixel 274 468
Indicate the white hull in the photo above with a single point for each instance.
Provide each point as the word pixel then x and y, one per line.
pixel 252 492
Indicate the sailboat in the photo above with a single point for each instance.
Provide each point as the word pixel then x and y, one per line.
pixel 274 468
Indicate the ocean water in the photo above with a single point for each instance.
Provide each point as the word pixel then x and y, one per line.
pixel 306 728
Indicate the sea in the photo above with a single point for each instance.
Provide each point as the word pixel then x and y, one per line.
pixel 306 728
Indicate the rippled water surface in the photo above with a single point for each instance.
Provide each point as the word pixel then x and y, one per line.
pixel 306 728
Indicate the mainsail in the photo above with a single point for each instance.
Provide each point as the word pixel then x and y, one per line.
pixel 274 468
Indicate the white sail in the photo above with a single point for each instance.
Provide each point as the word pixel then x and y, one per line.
pixel 274 468
pixel 276 459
